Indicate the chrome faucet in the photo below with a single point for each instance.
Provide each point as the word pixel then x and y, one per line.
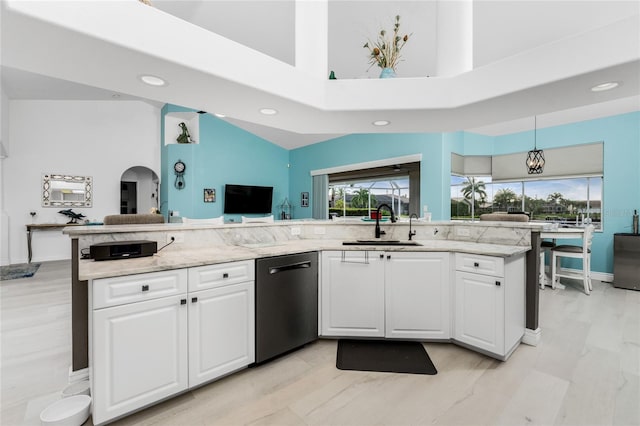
pixel 412 233
pixel 393 219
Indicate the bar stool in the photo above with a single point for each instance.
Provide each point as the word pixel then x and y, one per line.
pixel 545 247
pixel 577 252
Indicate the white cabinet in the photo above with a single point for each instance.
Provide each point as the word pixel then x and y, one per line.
pixel 352 300
pixel 479 311
pixel 489 302
pixel 221 320
pixel 385 294
pixel 139 352
pixel 152 336
pixel 417 295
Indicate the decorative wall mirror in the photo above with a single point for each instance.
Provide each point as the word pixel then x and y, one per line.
pixel 67 191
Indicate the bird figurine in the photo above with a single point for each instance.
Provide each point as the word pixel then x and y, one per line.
pixel 185 137
pixel 72 215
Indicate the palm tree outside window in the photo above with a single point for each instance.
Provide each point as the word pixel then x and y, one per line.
pixel 474 192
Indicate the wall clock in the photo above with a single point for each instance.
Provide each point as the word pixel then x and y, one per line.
pixel 179 167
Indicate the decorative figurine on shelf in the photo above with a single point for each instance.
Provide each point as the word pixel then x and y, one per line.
pixel 184 137
pixel 71 214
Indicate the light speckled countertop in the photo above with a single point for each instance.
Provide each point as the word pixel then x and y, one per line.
pixel 178 256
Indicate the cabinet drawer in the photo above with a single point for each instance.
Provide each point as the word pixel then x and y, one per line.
pixel 212 276
pixel 135 288
pixel 479 264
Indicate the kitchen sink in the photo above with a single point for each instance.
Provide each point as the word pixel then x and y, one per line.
pixel 380 243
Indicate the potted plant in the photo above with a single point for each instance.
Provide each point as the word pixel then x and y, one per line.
pixel 385 51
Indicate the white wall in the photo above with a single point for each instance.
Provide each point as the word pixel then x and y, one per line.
pixel 101 139
pixel 4 139
pixel 352 23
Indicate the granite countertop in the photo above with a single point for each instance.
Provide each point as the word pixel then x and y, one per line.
pixel 168 227
pixel 180 256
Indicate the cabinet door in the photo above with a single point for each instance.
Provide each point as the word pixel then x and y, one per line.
pixel 479 311
pixel 417 295
pixel 221 331
pixel 139 355
pixel 352 293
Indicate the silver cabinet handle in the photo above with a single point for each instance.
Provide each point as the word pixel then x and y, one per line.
pixel 299 265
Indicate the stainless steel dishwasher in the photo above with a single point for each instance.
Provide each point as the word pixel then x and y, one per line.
pixel 286 303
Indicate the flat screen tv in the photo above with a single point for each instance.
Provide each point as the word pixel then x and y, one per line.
pixel 241 199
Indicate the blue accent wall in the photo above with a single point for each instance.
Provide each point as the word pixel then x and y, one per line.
pixel 359 148
pixel 224 154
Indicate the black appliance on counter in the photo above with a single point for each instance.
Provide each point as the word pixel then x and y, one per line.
pixel 286 303
pixel 626 261
pixel 112 250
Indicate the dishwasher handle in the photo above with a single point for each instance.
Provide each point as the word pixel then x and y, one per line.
pixel 299 265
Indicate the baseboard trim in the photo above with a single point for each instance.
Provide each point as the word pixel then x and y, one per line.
pixel 78 375
pixel 532 337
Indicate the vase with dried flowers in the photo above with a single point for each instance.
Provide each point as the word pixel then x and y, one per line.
pixel 385 51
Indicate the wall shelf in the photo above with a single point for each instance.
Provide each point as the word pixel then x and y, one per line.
pixel 172 129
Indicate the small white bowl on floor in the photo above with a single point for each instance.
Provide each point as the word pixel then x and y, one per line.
pixel 71 411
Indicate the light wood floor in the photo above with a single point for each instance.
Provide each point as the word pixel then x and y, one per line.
pixel 584 372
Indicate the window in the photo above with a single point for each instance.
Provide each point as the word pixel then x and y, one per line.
pixel 468 196
pixel 568 191
pixel 567 201
pixel 356 192
pixel 358 198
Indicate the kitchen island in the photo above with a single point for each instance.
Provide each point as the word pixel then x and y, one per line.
pixel 479 266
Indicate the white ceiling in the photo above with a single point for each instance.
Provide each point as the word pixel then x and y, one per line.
pixel 530 58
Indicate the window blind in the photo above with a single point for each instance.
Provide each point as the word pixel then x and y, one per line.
pixel 471 165
pixel 320 202
pixel 570 161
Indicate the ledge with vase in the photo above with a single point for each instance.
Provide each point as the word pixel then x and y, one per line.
pixel 385 51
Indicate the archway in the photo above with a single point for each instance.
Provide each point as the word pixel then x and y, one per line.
pixel 139 188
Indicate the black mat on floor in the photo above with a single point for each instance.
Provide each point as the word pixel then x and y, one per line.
pixel 391 356
pixel 22 270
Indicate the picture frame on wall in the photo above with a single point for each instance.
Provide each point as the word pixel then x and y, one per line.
pixel 209 195
pixel 304 199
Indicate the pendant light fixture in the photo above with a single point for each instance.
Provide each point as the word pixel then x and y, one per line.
pixel 535 157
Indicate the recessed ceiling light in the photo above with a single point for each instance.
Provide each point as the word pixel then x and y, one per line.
pixel 381 123
pixel 152 80
pixel 605 86
pixel 217 114
pixel 268 111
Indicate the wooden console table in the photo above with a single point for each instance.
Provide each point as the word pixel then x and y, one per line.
pixel 43 227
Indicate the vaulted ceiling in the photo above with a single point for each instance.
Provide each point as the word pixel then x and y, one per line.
pixel 530 58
